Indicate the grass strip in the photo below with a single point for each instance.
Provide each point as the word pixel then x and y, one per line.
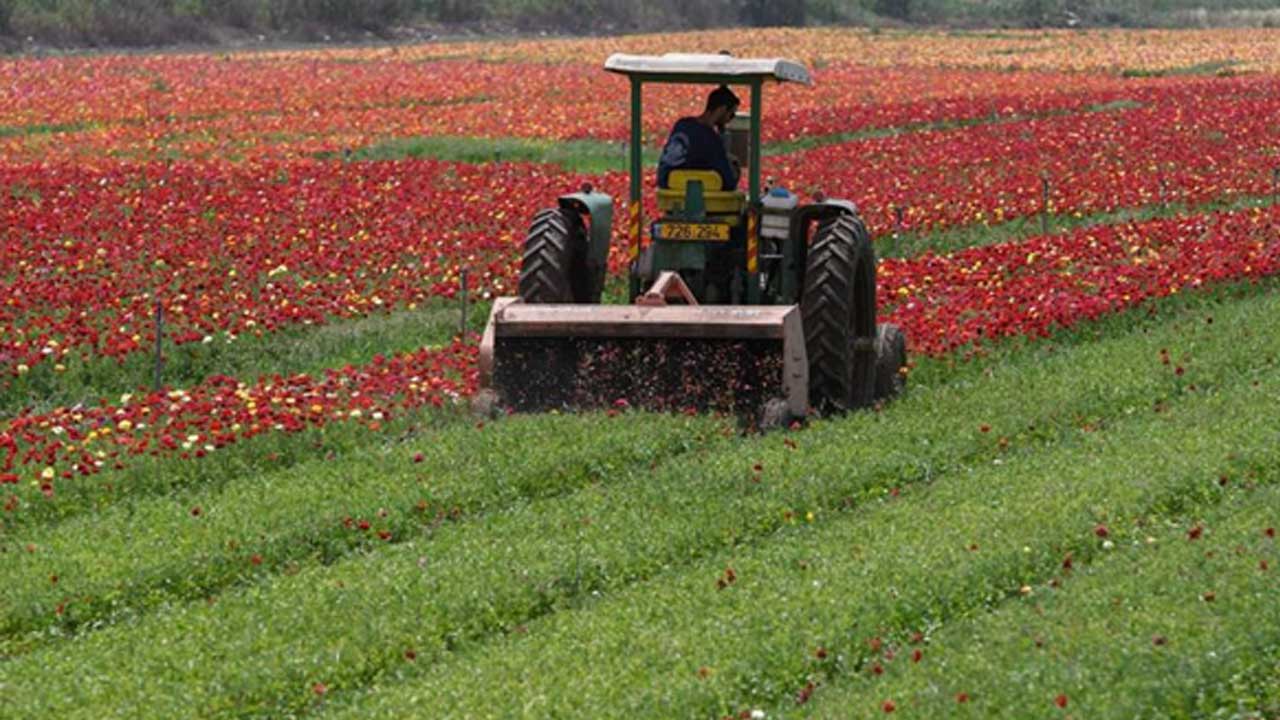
pixel 1211 67
pixel 189 546
pixel 157 474
pixel 1181 624
pixel 292 350
pixel 348 624
pixel 809 143
pixel 43 129
pixel 753 628
pixel 582 156
pixel 912 243
pixel 599 156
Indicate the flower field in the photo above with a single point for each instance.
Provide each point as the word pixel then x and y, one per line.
pixel 1070 513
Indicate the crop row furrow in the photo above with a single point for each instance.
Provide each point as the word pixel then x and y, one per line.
pixel 1181 623
pixel 348 624
pixel 749 627
pixel 165 549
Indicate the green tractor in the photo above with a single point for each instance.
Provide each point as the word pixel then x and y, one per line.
pixel 744 301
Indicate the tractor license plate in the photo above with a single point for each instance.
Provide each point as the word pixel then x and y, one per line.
pixel 712 232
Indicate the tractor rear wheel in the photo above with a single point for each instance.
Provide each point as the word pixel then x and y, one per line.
pixel 839 311
pixel 554 268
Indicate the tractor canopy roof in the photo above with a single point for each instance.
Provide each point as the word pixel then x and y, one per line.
pixel 706 68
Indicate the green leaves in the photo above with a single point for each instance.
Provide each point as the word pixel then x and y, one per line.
pixel 609 573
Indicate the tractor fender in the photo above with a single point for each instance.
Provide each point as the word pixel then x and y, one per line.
pixel 803 217
pixel 827 209
pixel 599 207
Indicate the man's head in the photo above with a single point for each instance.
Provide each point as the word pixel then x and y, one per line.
pixel 722 104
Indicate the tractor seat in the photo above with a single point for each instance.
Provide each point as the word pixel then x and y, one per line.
pixel 716 201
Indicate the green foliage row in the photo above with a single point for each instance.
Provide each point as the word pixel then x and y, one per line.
pixel 1169 626
pixel 751 627
pixel 272 647
pixel 188 546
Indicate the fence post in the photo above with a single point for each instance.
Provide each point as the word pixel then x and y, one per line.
pixel 898 227
pixel 159 357
pixel 1044 205
pixel 462 330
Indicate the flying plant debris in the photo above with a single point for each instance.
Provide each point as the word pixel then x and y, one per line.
pixel 668 375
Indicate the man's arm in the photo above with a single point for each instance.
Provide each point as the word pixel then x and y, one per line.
pixel 720 163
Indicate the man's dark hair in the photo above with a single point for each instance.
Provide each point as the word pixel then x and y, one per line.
pixel 722 97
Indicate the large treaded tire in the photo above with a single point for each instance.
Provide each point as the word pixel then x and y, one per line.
pixel 839 311
pixel 891 358
pixel 554 267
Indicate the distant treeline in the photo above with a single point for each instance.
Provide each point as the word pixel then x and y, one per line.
pixel 161 22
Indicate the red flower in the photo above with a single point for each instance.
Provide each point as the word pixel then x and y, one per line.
pixel 1060 701
pixel 889 706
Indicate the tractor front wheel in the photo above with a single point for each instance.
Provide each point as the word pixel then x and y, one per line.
pixel 891 361
pixel 839 311
pixel 554 268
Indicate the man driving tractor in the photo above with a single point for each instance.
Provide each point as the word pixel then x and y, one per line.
pixel 696 143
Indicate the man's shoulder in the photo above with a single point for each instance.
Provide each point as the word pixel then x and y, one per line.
pixel 685 123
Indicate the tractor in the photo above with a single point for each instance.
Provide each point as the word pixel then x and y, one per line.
pixel 746 301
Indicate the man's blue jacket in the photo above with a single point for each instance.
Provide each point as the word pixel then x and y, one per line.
pixel 694 146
